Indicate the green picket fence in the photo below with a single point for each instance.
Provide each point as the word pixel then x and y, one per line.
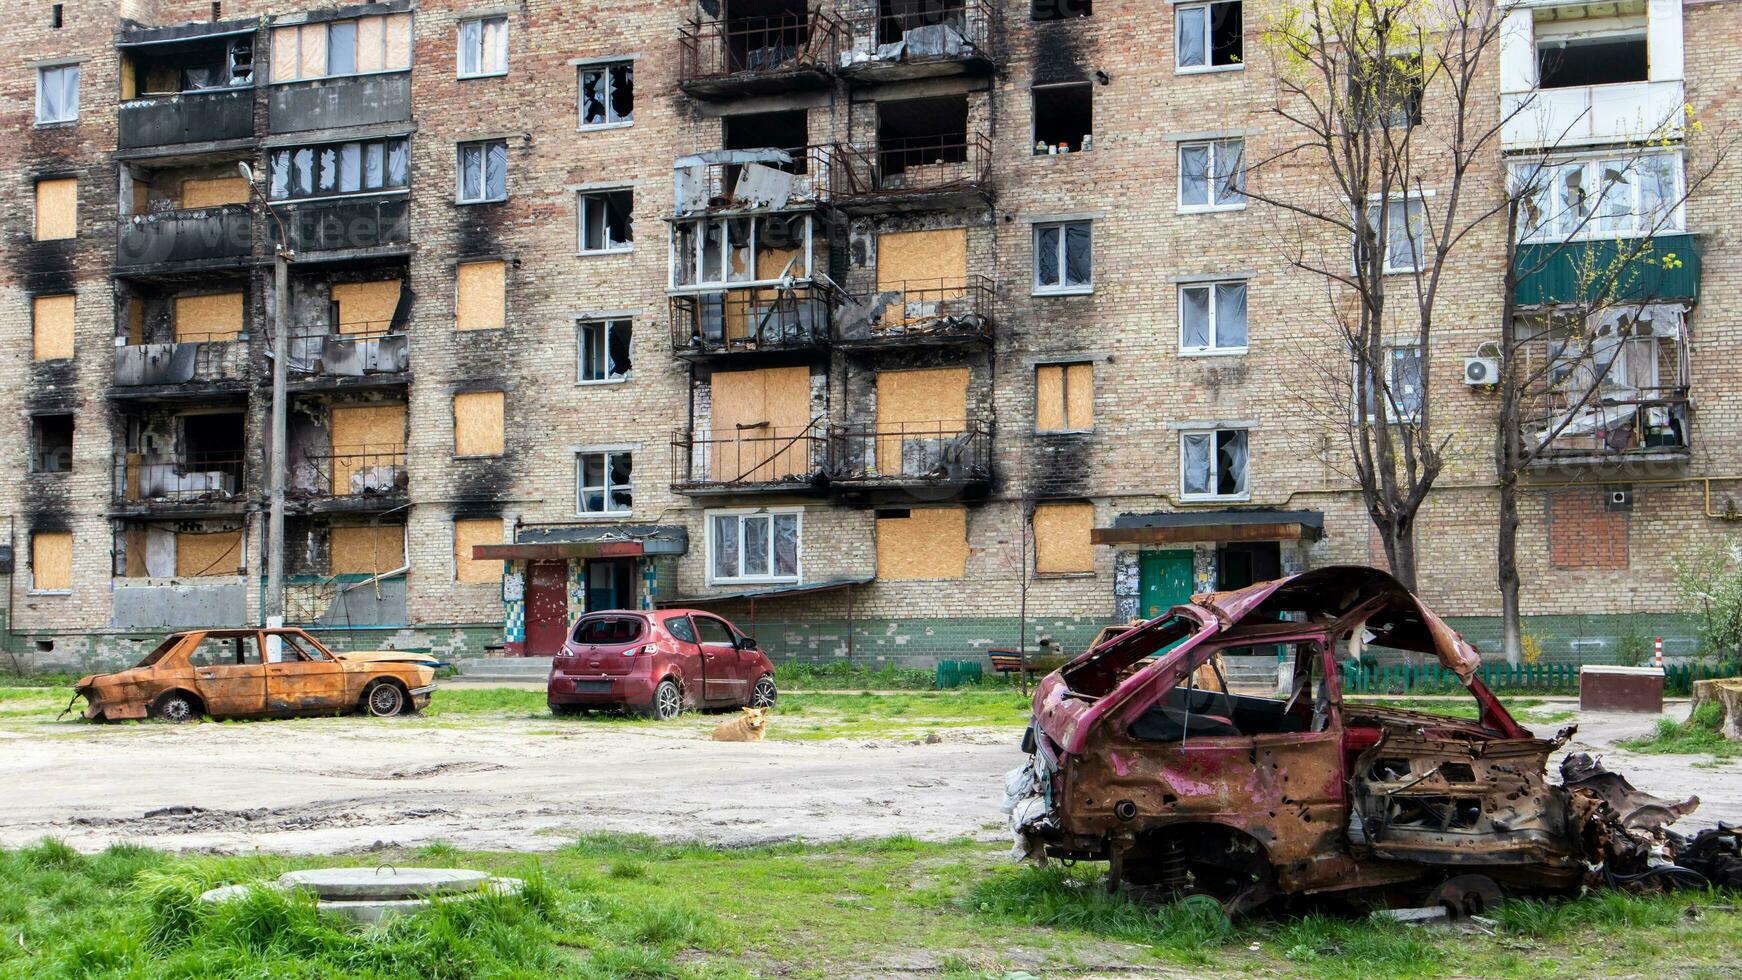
pixel 955 673
pixel 1678 679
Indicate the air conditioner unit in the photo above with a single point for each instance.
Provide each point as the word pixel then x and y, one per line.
pixel 1481 371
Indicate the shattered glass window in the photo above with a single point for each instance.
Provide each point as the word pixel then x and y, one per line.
pixel 608 95
pixel 337 168
pixel 1062 257
pixel 604 483
pixel 604 350
pixel 327 177
pixel 1213 464
pixel 483 171
pixel 279 182
pixel 605 219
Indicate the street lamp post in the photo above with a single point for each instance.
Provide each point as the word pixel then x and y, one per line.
pixel 281 259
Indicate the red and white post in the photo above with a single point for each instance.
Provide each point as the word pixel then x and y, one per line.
pixel 1657 654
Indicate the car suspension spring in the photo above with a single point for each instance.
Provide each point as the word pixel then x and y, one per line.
pixel 1172 861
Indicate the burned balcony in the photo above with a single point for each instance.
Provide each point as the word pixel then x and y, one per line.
pixel 721 181
pixel 351 225
pixel 186 88
pixel 184 368
pixel 187 481
pixel 1614 391
pixel 757 459
pixel 783 52
pixel 184 340
pixel 185 240
pixel 350 479
pixel 919 313
pixel 766 319
pixel 348 328
pixel 925 39
pixel 951 455
pixel 370 350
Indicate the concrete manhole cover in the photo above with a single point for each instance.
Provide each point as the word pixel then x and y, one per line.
pixel 369 895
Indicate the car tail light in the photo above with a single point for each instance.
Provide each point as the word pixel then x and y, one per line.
pixel 646 650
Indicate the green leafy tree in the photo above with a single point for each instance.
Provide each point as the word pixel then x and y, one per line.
pixel 1708 580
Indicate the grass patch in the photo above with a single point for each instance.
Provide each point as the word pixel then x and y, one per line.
pixel 1699 735
pixel 1460 706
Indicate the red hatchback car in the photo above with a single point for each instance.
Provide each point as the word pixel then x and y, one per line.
pixel 658 663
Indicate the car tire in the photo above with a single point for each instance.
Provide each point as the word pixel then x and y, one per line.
pixel 384 699
pixel 667 702
pixel 176 708
pixel 566 710
pixel 764 694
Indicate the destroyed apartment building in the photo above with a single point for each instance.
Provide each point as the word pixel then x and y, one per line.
pixel 872 324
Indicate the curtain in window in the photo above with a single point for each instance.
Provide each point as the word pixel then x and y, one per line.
pixel 471 44
pixel 1231 315
pixel 1046 254
pixel 397 163
pixel 786 544
pixel 1196 447
pixel 1195 316
pixel 1077 272
pixel 726 546
pixel 1194 174
pixel 1231 468
pixel 755 546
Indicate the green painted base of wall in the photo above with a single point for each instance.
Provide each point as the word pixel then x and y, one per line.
pixel 47 652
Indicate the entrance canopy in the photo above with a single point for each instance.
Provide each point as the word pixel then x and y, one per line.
pixel 1205 526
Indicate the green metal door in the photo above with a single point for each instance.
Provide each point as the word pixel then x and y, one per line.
pixel 1166 580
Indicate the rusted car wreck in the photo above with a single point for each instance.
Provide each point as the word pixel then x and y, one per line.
pixel 1183 787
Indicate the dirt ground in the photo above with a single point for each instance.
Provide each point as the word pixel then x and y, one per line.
pixel 333 785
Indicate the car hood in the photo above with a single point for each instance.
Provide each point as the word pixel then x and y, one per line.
pixel 388 657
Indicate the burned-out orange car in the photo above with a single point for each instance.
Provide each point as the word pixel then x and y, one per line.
pixel 258 673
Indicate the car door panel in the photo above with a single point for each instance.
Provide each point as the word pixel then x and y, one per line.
pixel 228 675
pixel 722 678
pixel 305 680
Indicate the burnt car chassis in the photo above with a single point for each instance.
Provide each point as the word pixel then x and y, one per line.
pixel 1184 787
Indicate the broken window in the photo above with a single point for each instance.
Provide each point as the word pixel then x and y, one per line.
pixel 1202 706
pixel 606 221
pixel 338 168
pixel 604 350
pixel 731 251
pixel 1212 318
pixel 787 130
pixel 332 48
pixel 57 94
pixel 1590 51
pixel 1405 230
pixel 602 484
pixel 1403 385
pixel 1062 257
pixel 900 20
pixel 920 132
pixel 51 443
pixel 1064 117
pixel 483 171
pixel 212 437
pixel 1212 175
pixel 1213 463
pixel 1064 397
pixel 1207 35
pixel 224 651
pixel 483 46
pixel 754 547
pixel 51 561
pixel 607 95
pixel 1573 199
pixel 1059 9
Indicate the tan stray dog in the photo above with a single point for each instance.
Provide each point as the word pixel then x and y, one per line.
pixel 749 728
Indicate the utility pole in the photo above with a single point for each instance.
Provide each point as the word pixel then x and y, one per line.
pixel 281 258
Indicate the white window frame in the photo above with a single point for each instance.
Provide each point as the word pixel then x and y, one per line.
pixel 1592 229
pixel 700 244
pixel 1390 370
pixel 604 489
pixel 1202 10
pixel 482 148
pixel 1061 288
pixel 604 69
pixel 42 73
pixel 1403 203
pixel 479 24
pixel 609 324
pixel 584 200
pixel 1217 150
pixel 1212 329
pixel 1212 432
pixel 797 513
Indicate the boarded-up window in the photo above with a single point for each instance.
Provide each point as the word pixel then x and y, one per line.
pixel 368 446
pixel 1583 532
pixel 1064 397
pixel 51 561
pixel 475 531
pixel 372 550
pixel 217 316
pixel 51 327
pixel 759 420
pixel 917 413
pixel 57 209
pixel 213 192
pixel 341 47
pixel 925 267
pixel 204 554
pixel 481 302
pixel 366 307
pixel 1061 538
pixel 925 543
pixel 478 423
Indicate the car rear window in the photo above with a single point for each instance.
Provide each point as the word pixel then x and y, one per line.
pixel 609 629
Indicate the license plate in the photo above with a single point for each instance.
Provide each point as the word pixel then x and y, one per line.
pixel 592 687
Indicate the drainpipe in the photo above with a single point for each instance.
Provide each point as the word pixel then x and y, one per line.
pixel 281 259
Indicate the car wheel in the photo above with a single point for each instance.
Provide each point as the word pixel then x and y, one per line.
pixel 764 695
pixel 667 702
pixel 566 710
pixel 175 708
pixel 385 700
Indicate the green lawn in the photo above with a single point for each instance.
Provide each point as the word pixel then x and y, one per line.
pixel 612 906
pixel 1699 735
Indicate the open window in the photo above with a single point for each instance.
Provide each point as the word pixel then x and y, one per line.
pixel 1064 118
pixel 787 130
pixel 913 133
pixel 897 19
pixel 1573 48
pixel 51 443
pixel 1208 36
pixel 606 221
pixel 1044 10
pixel 765 35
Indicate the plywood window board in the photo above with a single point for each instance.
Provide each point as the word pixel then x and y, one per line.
pixel 756 417
pixel 211 192
pixel 475 531
pixel 1064 397
pixel 368 428
pixel 926 543
pixel 286 56
pixel 478 423
pixel 367 307
pixel 213 317
pixel 51 561
pixel 370 549
pixel 57 209
pixel 928 404
pixel 200 554
pixel 481 296
pixel 52 327
pixel 1061 538
pixel 921 257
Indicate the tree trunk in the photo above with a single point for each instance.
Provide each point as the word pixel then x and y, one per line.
pixel 1506 555
pixel 1402 551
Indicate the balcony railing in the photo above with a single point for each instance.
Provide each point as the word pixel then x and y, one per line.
pixel 364 221
pixel 353 350
pixel 1586 114
pixel 205 235
pixel 913 169
pixel 938 38
pixel 373 99
pixel 760 458
pixel 755 53
pixel 192 117
pixel 145 478
pixel 185 362
pixel 753 180
pixel 1637 423
pixel 920 313
pixel 351 471
pixel 764 318
pixel 943 453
